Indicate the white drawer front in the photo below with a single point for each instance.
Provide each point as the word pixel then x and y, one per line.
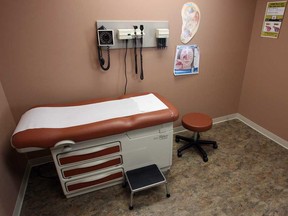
pixel 95 180
pixel 88 153
pixel 91 167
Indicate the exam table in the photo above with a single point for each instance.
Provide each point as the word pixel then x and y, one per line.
pixel 93 143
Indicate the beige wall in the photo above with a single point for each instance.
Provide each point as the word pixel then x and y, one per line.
pixel 264 98
pixel 11 165
pixel 49 53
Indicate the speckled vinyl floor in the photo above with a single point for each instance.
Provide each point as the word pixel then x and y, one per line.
pixel 246 175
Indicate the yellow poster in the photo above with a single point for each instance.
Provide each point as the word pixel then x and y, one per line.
pixel 273 18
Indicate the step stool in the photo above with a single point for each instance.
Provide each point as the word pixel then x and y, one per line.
pixel 144 178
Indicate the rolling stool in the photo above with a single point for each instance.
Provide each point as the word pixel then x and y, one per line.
pixel 196 122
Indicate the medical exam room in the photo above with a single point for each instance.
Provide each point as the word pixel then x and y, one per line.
pixel 113 108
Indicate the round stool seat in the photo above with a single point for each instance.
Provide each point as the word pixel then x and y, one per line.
pixel 197 122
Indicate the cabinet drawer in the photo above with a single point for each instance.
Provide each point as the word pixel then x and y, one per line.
pixel 96 180
pixel 88 153
pixel 91 167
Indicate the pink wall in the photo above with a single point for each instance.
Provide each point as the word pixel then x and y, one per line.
pixel 11 165
pixel 264 97
pixel 49 53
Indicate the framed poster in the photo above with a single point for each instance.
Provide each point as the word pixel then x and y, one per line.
pixel 187 60
pixel 273 18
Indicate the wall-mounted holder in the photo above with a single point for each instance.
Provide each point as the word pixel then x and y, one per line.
pixel 161 37
pixel 128 34
pixel 124 30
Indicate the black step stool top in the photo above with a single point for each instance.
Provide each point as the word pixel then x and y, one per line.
pixel 144 177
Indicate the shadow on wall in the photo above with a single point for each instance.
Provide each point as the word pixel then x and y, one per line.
pixel 15 162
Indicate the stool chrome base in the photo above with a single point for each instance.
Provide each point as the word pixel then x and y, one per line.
pixel 195 142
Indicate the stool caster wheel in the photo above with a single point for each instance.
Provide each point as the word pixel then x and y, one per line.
pixel 177 140
pixel 215 146
pixel 205 159
pixel 167 195
pixel 179 154
pixel 130 207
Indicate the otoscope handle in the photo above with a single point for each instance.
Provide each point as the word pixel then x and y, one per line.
pixel 136 68
pixel 135 48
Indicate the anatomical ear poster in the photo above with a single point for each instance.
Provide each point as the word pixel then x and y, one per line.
pixel 190 21
pixel 187 60
pixel 273 18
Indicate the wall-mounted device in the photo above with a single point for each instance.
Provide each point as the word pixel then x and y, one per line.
pixel 124 30
pixel 105 37
pixel 105 40
pixel 128 34
pixel 161 37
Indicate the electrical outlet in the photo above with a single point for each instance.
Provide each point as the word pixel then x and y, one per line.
pixel 106 37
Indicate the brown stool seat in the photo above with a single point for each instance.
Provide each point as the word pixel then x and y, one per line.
pixel 196 122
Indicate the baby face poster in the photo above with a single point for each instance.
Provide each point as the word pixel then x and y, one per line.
pixel 187 60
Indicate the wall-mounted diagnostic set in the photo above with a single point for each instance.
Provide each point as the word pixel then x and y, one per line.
pixel 130 34
pixel 105 39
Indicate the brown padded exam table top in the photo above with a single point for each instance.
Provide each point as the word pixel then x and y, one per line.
pixel 43 126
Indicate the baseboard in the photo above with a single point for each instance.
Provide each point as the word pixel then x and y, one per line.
pixel 22 191
pixel 180 129
pixel 40 161
pixel 263 131
pixel 224 118
pixel 248 122
pixel 24 183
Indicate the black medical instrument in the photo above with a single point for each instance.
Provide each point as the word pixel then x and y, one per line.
pixel 125 64
pixel 141 56
pixel 161 43
pixel 102 60
pixel 105 39
pixel 135 48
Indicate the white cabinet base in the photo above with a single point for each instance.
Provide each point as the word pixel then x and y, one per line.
pixel 95 164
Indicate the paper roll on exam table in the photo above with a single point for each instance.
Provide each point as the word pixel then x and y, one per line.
pixel 94 142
